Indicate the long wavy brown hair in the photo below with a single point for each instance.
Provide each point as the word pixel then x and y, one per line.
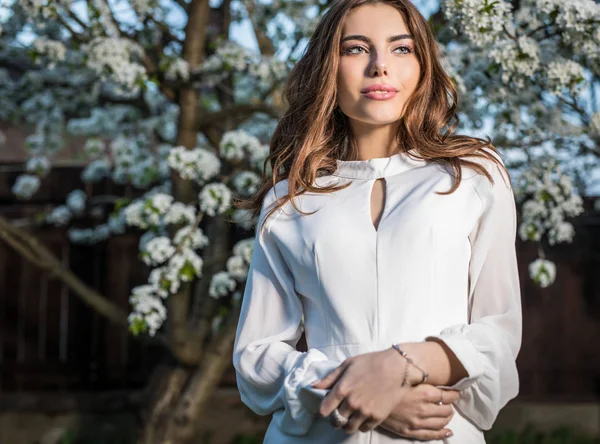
pixel 313 132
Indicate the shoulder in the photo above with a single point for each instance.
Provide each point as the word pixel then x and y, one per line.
pixel 500 192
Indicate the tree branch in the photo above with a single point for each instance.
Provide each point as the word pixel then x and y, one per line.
pixel 40 256
pixel 265 44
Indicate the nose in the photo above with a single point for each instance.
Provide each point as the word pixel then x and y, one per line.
pixel 378 66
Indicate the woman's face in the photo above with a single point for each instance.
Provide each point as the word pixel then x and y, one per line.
pixel 376 49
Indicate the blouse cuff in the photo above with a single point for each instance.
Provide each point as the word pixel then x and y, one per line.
pixel 466 353
pixel 301 400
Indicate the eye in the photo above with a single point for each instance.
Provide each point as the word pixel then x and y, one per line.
pixel 351 48
pixel 407 48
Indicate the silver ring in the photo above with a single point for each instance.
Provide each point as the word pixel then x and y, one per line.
pixel 337 419
pixel 441 400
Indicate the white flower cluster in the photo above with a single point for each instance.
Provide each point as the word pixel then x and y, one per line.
pixel 76 201
pixel 543 272
pixel 550 199
pixel 38 165
pixel 178 69
pixel 237 144
pixel 268 70
pixel 565 74
pixel 25 186
pixel 157 209
pixel 91 235
pixel 229 57
pixel 53 50
pixel 182 267
pixel 198 164
pixel 224 282
pixel 482 21
pixel 215 198
pixel 96 170
pixel 148 310
pixel 94 147
pixel 244 218
pixel 246 182
pixel 577 21
pixel 519 60
pixel 187 237
pixel 157 251
pixel 111 58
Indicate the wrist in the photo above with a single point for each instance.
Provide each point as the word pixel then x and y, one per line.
pixel 413 373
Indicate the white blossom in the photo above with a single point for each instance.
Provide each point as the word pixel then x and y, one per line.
pixel 96 170
pixel 76 201
pixel 543 272
pixel 221 285
pixel 180 213
pixel 244 218
pixel 246 182
pixel 94 147
pixel 519 60
pixel 565 74
pixel 54 50
pixel 188 238
pixel 178 69
pixel 481 21
pixel 111 58
pixel 244 249
pixel 235 144
pixel 25 186
pixel 237 268
pixel 197 164
pixel 59 216
pixel 38 165
pixel 215 198
pixel 157 251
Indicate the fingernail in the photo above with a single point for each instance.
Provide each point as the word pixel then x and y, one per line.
pixel 315 382
pixel 449 433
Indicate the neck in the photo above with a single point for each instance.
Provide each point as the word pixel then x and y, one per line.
pixel 373 141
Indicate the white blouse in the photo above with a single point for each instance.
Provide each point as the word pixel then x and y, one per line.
pixel 437 266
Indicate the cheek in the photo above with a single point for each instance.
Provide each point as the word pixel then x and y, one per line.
pixel 410 75
pixel 348 82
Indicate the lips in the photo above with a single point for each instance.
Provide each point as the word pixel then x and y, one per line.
pixel 382 87
pixel 379 92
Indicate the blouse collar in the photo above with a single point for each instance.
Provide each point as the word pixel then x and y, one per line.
pixel 377 167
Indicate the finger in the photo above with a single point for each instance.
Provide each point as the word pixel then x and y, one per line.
pixel 428 435
pixel 451 396
pixel 354 422
pixel 437 411
pixel 433 424
pixel 330 379
pixel 332 400
pixel 369 424
pixel 345 409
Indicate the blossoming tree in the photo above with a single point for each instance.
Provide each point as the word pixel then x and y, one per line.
pixel 173 107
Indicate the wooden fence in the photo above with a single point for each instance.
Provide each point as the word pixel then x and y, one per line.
pixel 51 341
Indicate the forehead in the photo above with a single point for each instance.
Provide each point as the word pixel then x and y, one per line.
pixel 375 20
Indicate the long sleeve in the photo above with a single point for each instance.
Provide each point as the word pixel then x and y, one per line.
pixel 272 376
pixel 488 345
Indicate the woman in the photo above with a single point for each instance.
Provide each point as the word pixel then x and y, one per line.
pixel 397 234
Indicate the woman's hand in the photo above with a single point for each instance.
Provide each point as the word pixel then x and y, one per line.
pixel 419 415
pixel 366 388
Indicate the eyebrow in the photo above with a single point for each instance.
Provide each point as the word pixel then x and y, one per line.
pixel 367 40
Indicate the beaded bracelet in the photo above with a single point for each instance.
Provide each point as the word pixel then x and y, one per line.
pixel 410 361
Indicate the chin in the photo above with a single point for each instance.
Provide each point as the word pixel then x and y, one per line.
pixel 379 118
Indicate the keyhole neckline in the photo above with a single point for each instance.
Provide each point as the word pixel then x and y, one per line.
pixel 378 167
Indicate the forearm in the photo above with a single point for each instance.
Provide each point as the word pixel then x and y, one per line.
pixel 435 358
